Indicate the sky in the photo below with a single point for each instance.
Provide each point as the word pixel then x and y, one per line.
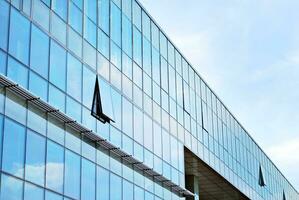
pixel 248 52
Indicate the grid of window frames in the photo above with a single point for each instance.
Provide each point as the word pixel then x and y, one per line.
pixel 56 48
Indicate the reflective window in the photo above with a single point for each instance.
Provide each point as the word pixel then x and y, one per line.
pixel 156 65
pixel 137 15
pixel 102 184
pixel 58 29
pixel 13 148
pixel 56 98
pixel 127 8
pixel 19 36
pixel 60 7
pixel 78 3
pixel 11 188
pixel 33 192
pixel 41 14
pixel 15 107
pixel 148 132
pixel 17 72
pixel 35 158
pixel 155 36
pixel 127 35
pixel 73 109
pixel 117 107
pixel 52 196
pixel 88 86
pixel 74 77
pixel 90 9
pixel 116 55
pixel 115 24
pixel 103 66
pixel 138 125
pixel 55 166
pixel 164 74
pixel 4 15
pixel 163 45
pixel 128 190
pixel 103 11
pixel 103 43
pixel 115 183
pixel 137 48
pixel 39 55
pixel 75 17
pixel 87 180
pixel 147 57
pixel 127 118
pixel 127 67
pixel 146 25
pixel 75 42
pixel 72 175
pixel 90 31
pixel 57 65
pixel 89 54
pixel 3 58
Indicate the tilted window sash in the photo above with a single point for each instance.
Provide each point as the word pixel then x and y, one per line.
pixel 102 106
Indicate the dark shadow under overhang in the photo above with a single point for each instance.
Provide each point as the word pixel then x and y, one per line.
pixel 212 186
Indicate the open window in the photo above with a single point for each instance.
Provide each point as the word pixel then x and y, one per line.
pixel 262 181
pixel 102 107
pixel 283 196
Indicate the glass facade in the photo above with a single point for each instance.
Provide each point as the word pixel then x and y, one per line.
pixel 55 49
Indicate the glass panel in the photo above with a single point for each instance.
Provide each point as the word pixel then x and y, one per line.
pixel 56 98
pixel 33 192
pixel 75 43
pixel 115 24
pixel 147 65
pixel 117 107
pixel 60 7
pixel 89 54
pixel 128 190
pixel 17 72
pixel 88 180
pixel 4 16
pixel 72 175
pixel 75 17
pixel 88 86
pixel 90 9
pixel 115 55
pixel 13 148
pixel 104 16
pixel 74 76
pixel 137 46
pixel 106 99
pixel 52 196
pixel 115 183
pixel 11 188
pixel 127 35
pixel 90 31
pixel 55 162
pixel 19 36
pixel 39 55
pixel 127 118
pixel 35 158
pixel 136 15
pixel 102 184
pixel 127 8
pixel 57 65
pixel 41 14
pixel 138 125
pixel 103 43
pixel 58 29
pixel 15 107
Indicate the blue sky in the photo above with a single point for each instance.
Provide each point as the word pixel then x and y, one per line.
pixel 248 52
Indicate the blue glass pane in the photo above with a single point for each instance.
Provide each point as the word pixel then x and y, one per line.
pixel 60 7
pixel 115 183
pixel 75 17
pixel 19 36
pixel 33 192
pixel 73 109
pixel 90 8
pixel 59 32
pixel 57 65
pixel 47 2
pixel 41 14
pixel 90 32
pixel 35 158
pixel 103 43
pixel 13 148
pixel 39 57
pixel 128 190
pixel 11 188
pixel 116 55
pixel 55 165
pixel 117 107
pixel 56 98
pixel 1 135
pixel 89 54
pixel 72 175
pixel 4 16
pixel 79 3
pixel 104 15
pixel 147 57
pixel 88 180
pixel 17 72
pixel 115 24
pixel 53 196
pixel 137 51
pixel 88 86
pixel 74 76
pixel 75 42
pixel 127 36
pixel 102 184
pixel 3 58
pixel 38 86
